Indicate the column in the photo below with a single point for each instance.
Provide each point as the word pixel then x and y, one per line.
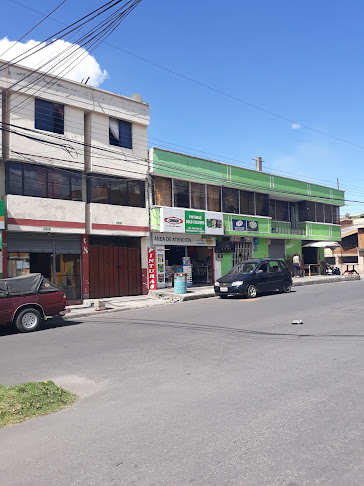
pixel 85 267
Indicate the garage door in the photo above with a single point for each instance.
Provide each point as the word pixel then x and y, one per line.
pixel 277 249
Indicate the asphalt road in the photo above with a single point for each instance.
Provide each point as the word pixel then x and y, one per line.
pixel 209 392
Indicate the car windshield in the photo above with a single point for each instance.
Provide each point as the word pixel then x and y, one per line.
pixel 244 267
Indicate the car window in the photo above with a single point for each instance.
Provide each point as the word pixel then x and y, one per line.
pixel 264 267
pixel 273 266
pixel 244 267
pixel 283 265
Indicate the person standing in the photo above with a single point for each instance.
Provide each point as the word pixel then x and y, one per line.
pixel 296 265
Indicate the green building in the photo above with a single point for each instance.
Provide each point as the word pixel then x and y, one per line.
pixel 218 214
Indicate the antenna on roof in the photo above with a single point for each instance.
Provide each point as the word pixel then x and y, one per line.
pixel 87 80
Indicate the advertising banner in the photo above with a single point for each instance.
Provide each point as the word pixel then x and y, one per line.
pixel 161 274
pixel 152 274
pixel 244 225
pixel 2 215
pixel 183 240
pixel 176 220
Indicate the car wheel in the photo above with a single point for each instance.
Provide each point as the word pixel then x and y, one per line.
pixel 223 296
pixel 252 292
pixel 28 320
pixel 287 287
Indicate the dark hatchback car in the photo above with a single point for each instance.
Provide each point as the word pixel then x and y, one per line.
pixel 250 277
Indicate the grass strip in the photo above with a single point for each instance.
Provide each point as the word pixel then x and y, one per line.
pixel 22 402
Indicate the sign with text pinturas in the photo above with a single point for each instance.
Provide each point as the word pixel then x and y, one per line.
pixel 176 220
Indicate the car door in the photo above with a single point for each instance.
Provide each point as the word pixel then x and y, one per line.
pixel 262 277
pixel 276 275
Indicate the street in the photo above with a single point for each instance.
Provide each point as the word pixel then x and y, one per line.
pixel 207 392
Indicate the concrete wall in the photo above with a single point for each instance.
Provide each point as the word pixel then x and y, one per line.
pixel 68 155
pixel 106 219
pixel 42 215
pixel 112 160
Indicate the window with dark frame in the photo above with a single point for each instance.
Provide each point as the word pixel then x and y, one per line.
pixel 41 181
pixel 261 204
pixel 230 200
pixel 115 191
pixel 49 116
pixel 120 133
pixel 198 196
pixel 181 192
pixel 247 202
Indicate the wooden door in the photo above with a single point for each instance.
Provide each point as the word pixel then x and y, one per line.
pixel 114 271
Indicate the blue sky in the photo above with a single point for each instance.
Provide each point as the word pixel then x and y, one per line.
pixel 299 60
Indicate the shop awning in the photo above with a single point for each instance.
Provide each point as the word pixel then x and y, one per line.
pixel 322 244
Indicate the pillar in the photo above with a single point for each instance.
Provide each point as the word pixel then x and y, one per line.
pixel 85 267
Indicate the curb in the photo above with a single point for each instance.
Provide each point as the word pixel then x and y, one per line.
pixel 336 279
pixel 176 298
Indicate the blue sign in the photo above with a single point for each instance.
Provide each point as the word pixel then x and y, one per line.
pixel 256 241
pixel 239 224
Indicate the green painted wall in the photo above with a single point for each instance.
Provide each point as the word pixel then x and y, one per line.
pixel 154 219
pixel 226 263
pixel 192 168
pixel 262 248
pixel 293 246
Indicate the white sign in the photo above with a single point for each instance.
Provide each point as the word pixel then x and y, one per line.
pixel 183 240
pixel 177 220
pixel 172 220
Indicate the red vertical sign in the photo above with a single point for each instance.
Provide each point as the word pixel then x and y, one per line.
pixel 152 273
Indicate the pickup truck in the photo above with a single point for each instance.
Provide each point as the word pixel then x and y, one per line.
pixel 29 299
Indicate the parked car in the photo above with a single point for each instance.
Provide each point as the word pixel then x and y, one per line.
pixel 29 299
pixel 250 277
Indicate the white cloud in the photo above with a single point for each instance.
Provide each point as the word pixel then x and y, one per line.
pixel 85 65
pixel 296 126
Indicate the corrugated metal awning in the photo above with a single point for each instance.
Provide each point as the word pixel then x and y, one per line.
pixel 322 244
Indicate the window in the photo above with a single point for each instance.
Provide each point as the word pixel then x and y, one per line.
pixel 328 213
pixel 162 191
pixel 335 215
pixel 41 181
pixel 181 190
pixel 116 191
pixel 282 211
pixel 230 200
pixel 198 196
pixel 261 204
pixel 247 202
pixel 320 213
pixel 120 133
pixel 302 211
pixel 311 211
pixel 49 116
pixel 273 266
pixel 213 198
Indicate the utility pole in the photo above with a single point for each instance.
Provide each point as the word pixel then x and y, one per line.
pixel 337 181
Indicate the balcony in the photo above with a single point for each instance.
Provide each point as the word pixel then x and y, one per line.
pixel 288 228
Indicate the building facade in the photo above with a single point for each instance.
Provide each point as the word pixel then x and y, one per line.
pixel 74 162
pixel 216 215
pixel 350 254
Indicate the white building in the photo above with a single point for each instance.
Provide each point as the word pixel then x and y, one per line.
pixel 74 180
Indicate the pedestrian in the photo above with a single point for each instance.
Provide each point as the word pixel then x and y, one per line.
pixel 296 265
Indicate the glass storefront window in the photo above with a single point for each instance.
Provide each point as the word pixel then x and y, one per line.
pixel 18 264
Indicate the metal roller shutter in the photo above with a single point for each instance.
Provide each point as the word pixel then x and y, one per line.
pixel 34 243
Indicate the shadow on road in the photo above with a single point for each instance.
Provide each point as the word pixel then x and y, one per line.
pixel 54 323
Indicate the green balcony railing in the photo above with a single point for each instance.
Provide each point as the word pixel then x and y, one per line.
pixel 288 228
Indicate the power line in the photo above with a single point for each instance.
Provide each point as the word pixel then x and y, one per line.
pixel 211 88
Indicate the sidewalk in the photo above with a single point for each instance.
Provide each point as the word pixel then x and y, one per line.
pixel 167 296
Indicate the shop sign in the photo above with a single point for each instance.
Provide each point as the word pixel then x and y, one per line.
pixel 183 240
pixel 176 220
pixel 195 222
pixel 2 215
pixel 244 225
pixel 152 274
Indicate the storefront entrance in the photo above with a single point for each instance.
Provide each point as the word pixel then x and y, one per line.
pixel 201 261
pixel 57 257
pixel 115 268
